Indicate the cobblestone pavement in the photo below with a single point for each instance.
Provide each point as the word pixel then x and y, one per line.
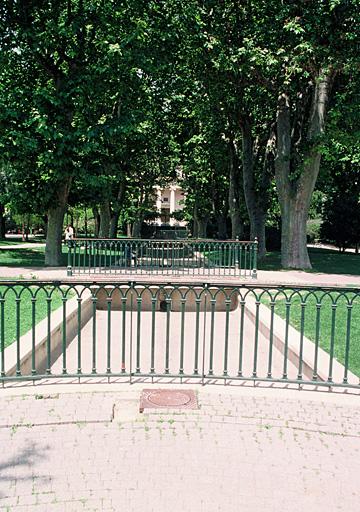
pixel 244 449
pixel 291 277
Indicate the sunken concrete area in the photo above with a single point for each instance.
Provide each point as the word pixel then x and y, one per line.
pixel 144 342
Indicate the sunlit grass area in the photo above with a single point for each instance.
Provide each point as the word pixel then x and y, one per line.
pixel 25 318
pixel 326 323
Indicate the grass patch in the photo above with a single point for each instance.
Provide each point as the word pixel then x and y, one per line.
pixel 26 309
pixel 326 313
pixel 27 257
pixel 323 261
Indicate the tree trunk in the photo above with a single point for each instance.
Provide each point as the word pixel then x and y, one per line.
pixel 105 217
pixel 128 230
pixel 114 223
pixel 86 223
pixel 117 209
pixel 237 227
pixel 295 195
pixel 256 201
pixel 53 252
pixel 2 222
pixel 294 252
pixel 200 224
pixel 221 224
pixel 96 221
pixel 136 229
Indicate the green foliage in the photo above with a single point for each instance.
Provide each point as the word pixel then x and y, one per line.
pixel 313 230
pixel 112 99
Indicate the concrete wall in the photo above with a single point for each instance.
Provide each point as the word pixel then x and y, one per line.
pixel 176 296
pixel 41 338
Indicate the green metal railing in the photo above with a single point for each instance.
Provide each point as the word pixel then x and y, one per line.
pixel 186 257
pixel 186 332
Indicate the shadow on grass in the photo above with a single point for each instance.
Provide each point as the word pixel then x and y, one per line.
pixel 325 261
pixel 26 257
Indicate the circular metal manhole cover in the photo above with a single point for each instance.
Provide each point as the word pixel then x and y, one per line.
pixel 168 398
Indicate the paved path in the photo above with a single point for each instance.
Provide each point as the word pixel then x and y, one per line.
pixel 244 449
pixel 295 277
pixel 25 245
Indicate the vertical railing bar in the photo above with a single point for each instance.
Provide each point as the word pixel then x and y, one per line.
pixel 79 326
pixel 123 348
pixel 197 332
pixel 153 321
pixel 182 335
pixel 2 335
pixel 18 319
pixel 256 341
pixel 48 338
pixel 332 341
pixel 131 329
pixel 64 368
pixel 286 346
pixel 212 328
pixel 271 337
pixel 204 339
pixel 108 349
pixel 302 328
pixel 347 342
pixel 94 301
pixel 241 335
pixel 167 342
pixel 33 335
pixel 317 340
pixel 138 334
pixel 226 345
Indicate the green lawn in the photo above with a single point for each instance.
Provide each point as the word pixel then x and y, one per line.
pixel 323 261
pixel 23 257
pixel 26 309
pixel 326 325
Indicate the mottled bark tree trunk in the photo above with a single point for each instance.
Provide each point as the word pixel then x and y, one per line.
pixel 96 221
pixel 54 232
pixel 105 217
pixel 116 210
pixel 295 195
pixel 221 225
pixel 256 199
pixel 2 222
pixel 237 226
pixel 136 227
pixel 200 224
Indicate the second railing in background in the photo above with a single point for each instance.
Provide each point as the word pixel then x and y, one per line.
pixel 184 257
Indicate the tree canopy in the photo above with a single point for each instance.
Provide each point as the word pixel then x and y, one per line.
pixel 101 101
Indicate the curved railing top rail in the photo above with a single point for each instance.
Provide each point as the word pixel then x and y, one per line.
pixel 190 240
pixel 184 284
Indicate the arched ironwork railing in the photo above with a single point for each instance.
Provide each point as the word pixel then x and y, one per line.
pixel 203 332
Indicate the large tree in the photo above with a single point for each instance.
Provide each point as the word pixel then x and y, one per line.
pixel 319 42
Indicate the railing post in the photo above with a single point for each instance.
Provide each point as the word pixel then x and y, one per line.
pixel 254 261
pixel 237 262
pixel 69 267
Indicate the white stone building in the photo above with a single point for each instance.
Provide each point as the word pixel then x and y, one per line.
pixel 168 201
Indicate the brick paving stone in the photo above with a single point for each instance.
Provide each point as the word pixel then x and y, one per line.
pixel 237 452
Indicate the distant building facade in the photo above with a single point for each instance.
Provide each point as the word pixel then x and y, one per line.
pixel 168 201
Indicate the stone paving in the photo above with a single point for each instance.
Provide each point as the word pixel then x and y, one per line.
pixel 244 449
pixel 291 277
